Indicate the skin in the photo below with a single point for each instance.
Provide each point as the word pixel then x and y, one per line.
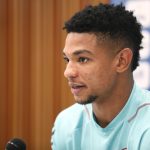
pixel 98 71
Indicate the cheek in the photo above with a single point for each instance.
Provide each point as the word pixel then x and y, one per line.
pixel 96 75
pixel 94 78
pixel 100 77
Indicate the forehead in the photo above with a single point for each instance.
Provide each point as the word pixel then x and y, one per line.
pixel 80 41
pixel 79 36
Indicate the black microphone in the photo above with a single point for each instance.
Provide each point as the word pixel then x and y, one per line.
pixel 15 144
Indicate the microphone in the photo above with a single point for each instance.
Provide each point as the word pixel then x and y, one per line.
pixel 15 144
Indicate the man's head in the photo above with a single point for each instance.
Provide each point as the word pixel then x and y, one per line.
pixel 101 50
pixel 112 23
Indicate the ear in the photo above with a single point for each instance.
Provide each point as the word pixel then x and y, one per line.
pixel 123 60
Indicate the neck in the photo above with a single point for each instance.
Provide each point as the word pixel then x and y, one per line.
pixel 107 109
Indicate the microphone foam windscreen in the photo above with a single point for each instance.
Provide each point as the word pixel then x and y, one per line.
pixel 16 144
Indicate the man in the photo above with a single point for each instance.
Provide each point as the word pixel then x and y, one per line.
pixel 112 112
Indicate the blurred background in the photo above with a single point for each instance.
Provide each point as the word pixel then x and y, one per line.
pixel 33 89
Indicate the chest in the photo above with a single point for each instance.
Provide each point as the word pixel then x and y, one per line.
pixel 92 138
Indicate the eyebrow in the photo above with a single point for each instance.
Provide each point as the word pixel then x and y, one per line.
pixel 78 52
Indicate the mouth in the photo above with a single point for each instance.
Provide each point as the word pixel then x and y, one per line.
pixel 76 88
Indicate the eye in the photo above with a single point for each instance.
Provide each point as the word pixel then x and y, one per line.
pixel 66 59
pixel 83 59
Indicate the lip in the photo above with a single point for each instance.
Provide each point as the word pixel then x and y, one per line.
pixel 76 91
pixel 76 88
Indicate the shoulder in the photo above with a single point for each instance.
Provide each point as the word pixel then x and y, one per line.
pixel 140 107
pixel 66 123
pixel 145 140
pixel 142 94
pixel 73 114
pixel 139 120
pixel 143 109
pixel 141 101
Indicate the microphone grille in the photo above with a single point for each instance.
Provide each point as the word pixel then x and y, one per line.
pixel 16 144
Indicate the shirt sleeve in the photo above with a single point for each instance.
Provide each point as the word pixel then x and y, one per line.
pixel 52 139
pixel 58 136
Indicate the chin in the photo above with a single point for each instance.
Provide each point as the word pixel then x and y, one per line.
pixel 88 100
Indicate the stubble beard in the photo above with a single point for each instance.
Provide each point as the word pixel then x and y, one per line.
pixel 89 100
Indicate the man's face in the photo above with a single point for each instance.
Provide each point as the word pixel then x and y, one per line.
pixel 90 68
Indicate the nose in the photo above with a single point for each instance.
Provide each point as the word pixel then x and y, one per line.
pixel 70 71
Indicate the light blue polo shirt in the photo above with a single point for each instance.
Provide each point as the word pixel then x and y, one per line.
pixel 76 129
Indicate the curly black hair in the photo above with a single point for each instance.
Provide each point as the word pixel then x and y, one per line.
pixel 110 21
